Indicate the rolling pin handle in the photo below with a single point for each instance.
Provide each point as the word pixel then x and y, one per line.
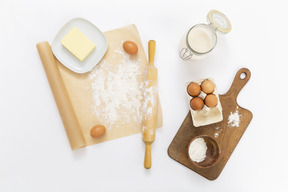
pixel 151 51
pixel 147 160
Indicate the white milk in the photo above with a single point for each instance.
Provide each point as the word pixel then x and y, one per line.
pixel 202 38
pixel 199 41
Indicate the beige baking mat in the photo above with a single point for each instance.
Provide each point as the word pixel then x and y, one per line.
pixel 82 104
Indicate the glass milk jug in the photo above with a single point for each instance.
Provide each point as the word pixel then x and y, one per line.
pixel 201 39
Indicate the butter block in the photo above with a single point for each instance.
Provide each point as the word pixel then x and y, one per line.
pixel 78 44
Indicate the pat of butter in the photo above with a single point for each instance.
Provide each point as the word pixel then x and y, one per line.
pixel 78 44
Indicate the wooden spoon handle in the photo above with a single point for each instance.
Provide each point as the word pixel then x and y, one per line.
pixel 151 51
pixel 240 80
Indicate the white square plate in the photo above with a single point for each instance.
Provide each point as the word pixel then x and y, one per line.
pixel 91 32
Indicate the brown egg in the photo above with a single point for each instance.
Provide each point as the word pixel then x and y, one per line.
pixel 193 89
pixel 97 131
pixel 130 47
pixel 207 86
pixel 211 100
pixel 196 103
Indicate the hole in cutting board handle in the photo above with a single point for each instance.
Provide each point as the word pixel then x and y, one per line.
pixel 243 75
pixel 241 78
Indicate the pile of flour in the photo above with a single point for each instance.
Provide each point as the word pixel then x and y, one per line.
pixel 116 90
pixel 234 118
pixel 197 150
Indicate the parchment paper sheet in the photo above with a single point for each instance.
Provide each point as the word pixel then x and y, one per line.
pixel 73 92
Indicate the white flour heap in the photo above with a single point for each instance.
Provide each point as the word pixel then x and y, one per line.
pixel 197 150
pixel 116 90
pixel 234 119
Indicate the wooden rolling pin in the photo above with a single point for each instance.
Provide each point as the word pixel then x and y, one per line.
pixel 150 104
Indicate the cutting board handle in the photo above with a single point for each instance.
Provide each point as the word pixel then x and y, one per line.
pixel 240 80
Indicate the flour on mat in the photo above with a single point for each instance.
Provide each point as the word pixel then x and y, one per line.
pixel 234 119
pixel 116 90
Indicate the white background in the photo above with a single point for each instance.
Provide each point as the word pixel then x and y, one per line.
pixel 34 151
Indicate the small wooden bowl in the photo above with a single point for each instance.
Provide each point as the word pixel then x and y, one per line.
pixel 212 153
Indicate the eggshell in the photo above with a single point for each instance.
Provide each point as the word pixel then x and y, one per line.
pixel 130 47
pixel 207 86
pixel 196 103
pixel 211 100
pixel 193 89
pixel 97 131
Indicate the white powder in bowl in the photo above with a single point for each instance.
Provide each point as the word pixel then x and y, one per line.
pixel 197 150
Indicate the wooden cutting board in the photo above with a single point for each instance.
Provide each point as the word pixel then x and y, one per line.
pixel 223 132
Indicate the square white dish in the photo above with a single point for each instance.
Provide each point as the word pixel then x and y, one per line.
pixel 92 33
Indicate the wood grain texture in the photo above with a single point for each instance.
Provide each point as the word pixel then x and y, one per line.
pixel 227 138
pixel 150 115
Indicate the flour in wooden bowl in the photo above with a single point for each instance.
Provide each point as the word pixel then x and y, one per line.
pixel 197 150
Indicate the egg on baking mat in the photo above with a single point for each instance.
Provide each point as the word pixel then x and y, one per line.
pixel 97 131
pixel 130 47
